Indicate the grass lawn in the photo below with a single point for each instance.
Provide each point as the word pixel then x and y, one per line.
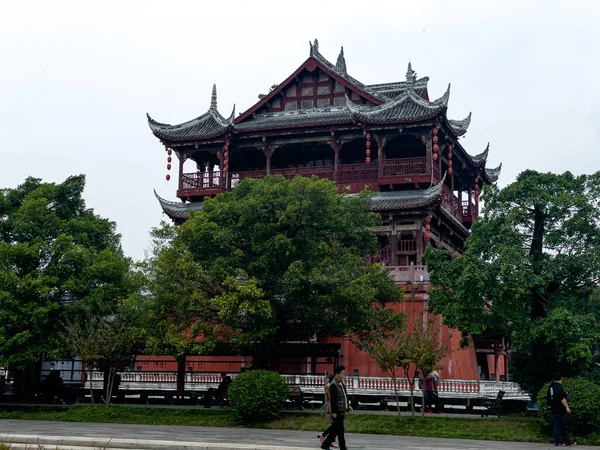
pixel 512 428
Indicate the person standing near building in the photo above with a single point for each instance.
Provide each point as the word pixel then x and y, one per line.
pixel 339 406
pixel 429 388
pixel 557 401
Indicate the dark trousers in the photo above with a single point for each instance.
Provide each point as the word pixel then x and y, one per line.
pixel 337 429
pixel 429 400
pixel 559 429
pixel 328 430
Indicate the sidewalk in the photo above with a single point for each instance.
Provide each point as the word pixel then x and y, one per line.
pixel 160 437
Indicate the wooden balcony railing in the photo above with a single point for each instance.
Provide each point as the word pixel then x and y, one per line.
pixel 357 172
pixel 401 167
pixel 451 204
pixel 201 180
pixel 320 171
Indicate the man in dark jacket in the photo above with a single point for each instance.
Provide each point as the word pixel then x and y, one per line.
pixel 557 400
pixel 339 406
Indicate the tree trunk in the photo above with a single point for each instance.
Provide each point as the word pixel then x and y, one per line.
pixel 538 303
pixel 396 392
pixel 90 365
pixel 109 386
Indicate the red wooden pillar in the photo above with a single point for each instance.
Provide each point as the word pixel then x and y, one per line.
pixel 268 151
pixel 181 157
pixel 336 146
pixel 381 143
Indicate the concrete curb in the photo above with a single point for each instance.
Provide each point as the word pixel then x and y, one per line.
pixel 74 443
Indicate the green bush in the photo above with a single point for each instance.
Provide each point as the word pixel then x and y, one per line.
pixel 258 394
pixel 584 401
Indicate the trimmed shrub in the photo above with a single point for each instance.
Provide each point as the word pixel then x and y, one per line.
pixel 258 394
pixel 584 402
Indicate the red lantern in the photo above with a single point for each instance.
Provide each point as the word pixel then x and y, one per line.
pixel 368 160
pixel 449 170
pixel 435 131
pixel 435 139
pixel 168 166
pixel 368 152
pixel 427 236
pixel 435 147
pixel 226 147
pixel 368 144
pixel 226 155
pixel 169 159
pixel 168 177
pixel 449 163
pixel 169 152
pixel 427 227
pixel 485 205
pixel 435 156
pixel 428 219
pixel 226 163
pixel 225 170
pixel 368 136
pixel 449 155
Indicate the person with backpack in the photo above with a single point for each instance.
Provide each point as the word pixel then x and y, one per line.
pixel 556 399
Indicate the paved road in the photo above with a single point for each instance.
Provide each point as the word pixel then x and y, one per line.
pixel 180 437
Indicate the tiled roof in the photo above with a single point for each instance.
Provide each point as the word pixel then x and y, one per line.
pixel 383 201
pixel 408 107
pixel 303 117
pixel 407 199
pixel 494 174
pixel 177 210
pixel 459 127
pixel 340 70
pixel 209 124
pixel 482 157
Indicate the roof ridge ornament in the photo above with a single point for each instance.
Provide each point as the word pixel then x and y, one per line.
pixel 411 76
pixel 213 98
pixel 340 64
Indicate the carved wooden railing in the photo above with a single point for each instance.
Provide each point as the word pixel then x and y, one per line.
pixel 382 256
pixel 357 172
pixel 401 167
pixel 320 171
pixel 201 180
pixel 451 204
pixel 407 246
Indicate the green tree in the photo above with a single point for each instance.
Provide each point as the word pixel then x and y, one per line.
pixel 528 274
pixel 57 258
pixel 272 261
pixel 424 350
pixel 384 341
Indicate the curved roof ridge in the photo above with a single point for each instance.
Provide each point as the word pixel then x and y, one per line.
pixel 494 174
pixel 481 157
pixel 459 127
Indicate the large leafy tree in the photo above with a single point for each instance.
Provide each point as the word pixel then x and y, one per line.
pixel 58 262
pixel 528 274
pixel 272 261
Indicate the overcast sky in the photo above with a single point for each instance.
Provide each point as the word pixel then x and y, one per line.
pixel 77 78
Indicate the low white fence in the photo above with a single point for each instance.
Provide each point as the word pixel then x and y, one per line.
pixel 137 381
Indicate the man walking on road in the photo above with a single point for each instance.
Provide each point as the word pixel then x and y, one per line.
pixel 339 406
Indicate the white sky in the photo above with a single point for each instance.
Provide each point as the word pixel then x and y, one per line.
pixel 77 78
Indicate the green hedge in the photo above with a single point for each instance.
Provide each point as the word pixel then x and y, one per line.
pixel 258 394
pixel 584 402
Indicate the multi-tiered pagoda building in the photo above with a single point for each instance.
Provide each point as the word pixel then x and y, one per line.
pixel 390 138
